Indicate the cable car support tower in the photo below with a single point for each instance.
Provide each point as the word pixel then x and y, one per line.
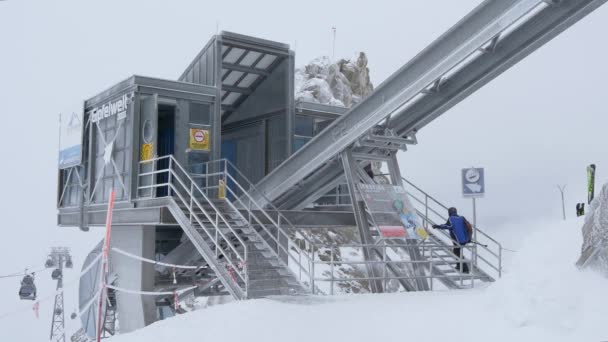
pixel 59 257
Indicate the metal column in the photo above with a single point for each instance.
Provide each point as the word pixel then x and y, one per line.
pixel 361 219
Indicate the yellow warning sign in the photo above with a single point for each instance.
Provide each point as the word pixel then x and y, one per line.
pixel 147 152
pixel 199 139
pixel 221 194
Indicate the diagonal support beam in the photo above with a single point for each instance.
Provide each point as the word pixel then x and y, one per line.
pixel 453 48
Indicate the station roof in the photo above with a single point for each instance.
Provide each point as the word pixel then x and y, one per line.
pixel 246 62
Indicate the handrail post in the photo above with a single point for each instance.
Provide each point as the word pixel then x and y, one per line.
pixel 331 258
pixel 432 267
pixel 217 245
pixel 499 261
pixel 312 274
pixel 169 178
pixel 384 266
pixel 426 211
pixel 191 195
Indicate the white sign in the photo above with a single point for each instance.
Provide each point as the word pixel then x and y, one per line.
pixel 117 107
pixel 473 182
pixel 70 138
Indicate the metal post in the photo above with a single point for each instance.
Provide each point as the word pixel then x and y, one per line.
pixel 169 176
pixel 474 235
pixel 312 273
pixel 191 199
pixel 331 259
pixel 499 261
pixel 384 266
pixel 348 164
pixel 562 188
pixel 426 211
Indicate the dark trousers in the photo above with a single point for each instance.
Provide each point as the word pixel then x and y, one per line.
pixel 458 251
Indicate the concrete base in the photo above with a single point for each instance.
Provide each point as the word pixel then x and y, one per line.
pixel 134 311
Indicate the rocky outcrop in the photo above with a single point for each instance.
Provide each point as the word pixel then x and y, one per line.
pixel 343 83
pixel 594 253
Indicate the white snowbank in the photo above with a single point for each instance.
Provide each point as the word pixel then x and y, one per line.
pixel 541 297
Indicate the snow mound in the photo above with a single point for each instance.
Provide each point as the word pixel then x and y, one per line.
pixel 594 252
pixel 541 297
pixel 343 83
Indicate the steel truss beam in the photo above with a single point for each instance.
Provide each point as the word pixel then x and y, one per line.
pixel 457 52
pixel 501 54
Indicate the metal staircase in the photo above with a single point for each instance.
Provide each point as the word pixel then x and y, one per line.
pixel 485 253
pixel 252 256
pixel 256 252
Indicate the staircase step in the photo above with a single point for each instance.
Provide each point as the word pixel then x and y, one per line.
pixel 261 293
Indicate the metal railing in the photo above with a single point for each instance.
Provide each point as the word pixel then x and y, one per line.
pixel 222 176
pixel 486 250
pixel 165 177
pixel 431 264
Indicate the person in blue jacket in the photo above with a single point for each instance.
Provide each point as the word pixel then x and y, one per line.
pixel 459 232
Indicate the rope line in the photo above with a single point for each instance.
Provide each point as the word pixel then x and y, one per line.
pixel 22 273
pixel 89 303
pixel 52 295
pixel 127 254
pixel 150 293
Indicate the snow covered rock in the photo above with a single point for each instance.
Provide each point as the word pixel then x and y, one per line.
pixel 594 252
pixel 343 83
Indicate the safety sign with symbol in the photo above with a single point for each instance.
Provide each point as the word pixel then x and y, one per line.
pixel 199 139
pixel 473 182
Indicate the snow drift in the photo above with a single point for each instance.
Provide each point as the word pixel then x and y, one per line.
pixel 541 297
pixel 594 253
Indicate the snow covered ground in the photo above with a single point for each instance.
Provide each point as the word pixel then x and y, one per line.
pixel 541 297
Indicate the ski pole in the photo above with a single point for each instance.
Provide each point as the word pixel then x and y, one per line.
pixel 481 244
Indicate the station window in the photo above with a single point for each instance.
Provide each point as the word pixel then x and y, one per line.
pixel 200 113
pixel 298 142
pixel 304 126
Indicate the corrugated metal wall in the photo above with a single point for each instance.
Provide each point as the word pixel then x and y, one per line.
pixel 276 142
pixel 202 70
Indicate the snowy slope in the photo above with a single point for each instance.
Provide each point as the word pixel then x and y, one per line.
pixel 541 297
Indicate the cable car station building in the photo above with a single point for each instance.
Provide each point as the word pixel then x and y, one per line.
pixel 198 166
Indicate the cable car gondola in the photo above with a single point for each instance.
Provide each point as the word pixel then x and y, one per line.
pixel 49 263
pixel 69 263
pixel 27 291
pixel 56 274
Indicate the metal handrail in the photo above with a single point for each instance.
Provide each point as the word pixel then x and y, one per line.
pixel 189 204
pixel 480 232
pixel 430 263
pixel 444 236
pixel 304 266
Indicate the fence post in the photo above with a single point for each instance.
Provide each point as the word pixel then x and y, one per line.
pixel 331 259
pixel 191 198
pixel 426 211
pixel 499 261
pixel 312 274
pixel 384 267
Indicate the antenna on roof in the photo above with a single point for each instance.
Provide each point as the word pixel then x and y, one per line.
pixel 333 53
